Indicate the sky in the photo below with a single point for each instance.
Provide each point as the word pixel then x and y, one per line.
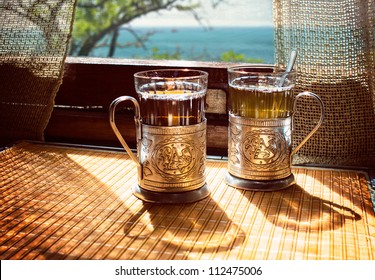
pixel 227 13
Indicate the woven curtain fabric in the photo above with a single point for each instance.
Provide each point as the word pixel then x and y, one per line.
pixel 34 37
pixel 336 50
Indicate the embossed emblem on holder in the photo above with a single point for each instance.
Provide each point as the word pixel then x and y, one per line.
pixel 174 157
pixel 263 147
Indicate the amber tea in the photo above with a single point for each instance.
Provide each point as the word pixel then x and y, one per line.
pixel 176 105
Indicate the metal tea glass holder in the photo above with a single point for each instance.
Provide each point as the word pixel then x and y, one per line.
pixel 260 128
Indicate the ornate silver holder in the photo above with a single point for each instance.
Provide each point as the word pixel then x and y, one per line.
pixel 260 150
pixel 259 154
pixel 173 161
pixel 173 164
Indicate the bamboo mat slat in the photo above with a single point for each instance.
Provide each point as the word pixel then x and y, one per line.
pixel 67 203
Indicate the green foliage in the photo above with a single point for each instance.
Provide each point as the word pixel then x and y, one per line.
pixel 232 56
pixel 228 56
pixel 155 54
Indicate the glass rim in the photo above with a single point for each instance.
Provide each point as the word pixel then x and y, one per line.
pixel 146 74
pixel 259 69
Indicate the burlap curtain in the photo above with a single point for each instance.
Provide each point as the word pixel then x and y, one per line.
pixel 34 36
pixel 336 52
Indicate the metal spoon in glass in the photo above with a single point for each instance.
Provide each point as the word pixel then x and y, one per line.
pixel 291 62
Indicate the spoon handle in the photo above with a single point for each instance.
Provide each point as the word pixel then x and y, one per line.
pixel 292 60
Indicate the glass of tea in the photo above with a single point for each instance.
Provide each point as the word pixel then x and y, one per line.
pixel 172 97
pixel 261 123
pixel 262 92
pixel 171 134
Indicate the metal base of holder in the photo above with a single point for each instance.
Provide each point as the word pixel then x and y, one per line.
pixel 170 197
pixel 253 185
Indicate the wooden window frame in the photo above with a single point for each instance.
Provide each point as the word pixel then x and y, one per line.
pixel 80 115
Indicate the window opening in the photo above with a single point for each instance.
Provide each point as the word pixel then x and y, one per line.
pixel 199 30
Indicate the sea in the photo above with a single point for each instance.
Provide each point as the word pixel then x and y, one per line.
pixel 194 43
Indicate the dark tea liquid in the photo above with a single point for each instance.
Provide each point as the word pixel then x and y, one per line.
pixel 180 104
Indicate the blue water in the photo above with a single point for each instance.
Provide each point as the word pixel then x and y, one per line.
pixel 197 43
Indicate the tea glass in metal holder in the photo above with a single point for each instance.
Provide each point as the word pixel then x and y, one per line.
pixel 171 135
pixel 261 113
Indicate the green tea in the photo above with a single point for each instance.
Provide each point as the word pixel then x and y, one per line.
pixel 261 102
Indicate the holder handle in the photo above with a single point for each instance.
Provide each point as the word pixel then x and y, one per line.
pixel 322 112
pixel 137 117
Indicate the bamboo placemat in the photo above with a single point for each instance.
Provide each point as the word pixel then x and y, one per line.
pixel 68 203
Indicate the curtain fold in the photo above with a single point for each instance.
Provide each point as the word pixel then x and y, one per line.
pixel 34 37
pixel 335 40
